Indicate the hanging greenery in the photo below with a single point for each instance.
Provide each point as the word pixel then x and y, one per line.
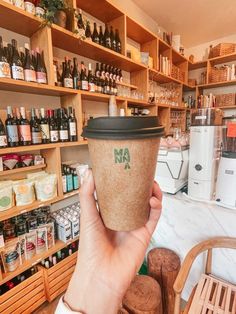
pixel 51 8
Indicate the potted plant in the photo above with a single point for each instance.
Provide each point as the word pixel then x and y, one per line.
pixel 56 12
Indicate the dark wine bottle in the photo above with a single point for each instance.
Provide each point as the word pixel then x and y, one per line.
pixel 80 24
pixel 12 129
pixel 101 37
pixel 83 77
pixel 16 64
pixel 88 32
pixel 113 40
pixel 29 70
pixel 63 126
pixel 75 75
pixel 3 136
pixel 107 38
pixel 44 127
pixel 95 36
pixel 35 128
pixel 41 72
pixel 91 80
pixel 72 125
pixel 118 42
pixel 24 129
pixel 67 79
pixel 5 70
pixel 53 127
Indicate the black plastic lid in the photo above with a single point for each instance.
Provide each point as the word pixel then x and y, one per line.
pixel 116 128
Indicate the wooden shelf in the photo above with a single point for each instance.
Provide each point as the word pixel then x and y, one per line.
pixel 94 96
pixel 223 59
pixel 227 107
pixel 162 78
pixel 34 88
pixel 177 57
pixel 214 85
pixel 23 169
pixel 59 245
pixel 171 107
pixel 18 20
pixel 103 10
pixel 131 101
pixel 65 39
pixel 137 32
pixel 197 65
pixel 127 85
pixel 189 88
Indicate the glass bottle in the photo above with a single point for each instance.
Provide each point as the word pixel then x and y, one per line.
pixel 12 129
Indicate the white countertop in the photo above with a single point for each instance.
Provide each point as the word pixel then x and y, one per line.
pixel 185 222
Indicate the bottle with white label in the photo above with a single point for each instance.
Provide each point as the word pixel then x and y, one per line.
pixel 24 129
pixel 72 125
pixel 3 136
pixel 44 127
pixel 5 70
pixel 63 126
pixel 41 71
pixel 29 70
pixel 83 78
pixel 12 129
pixel 53 127
pixel 35 128
pixel 67 79
pixel 16 64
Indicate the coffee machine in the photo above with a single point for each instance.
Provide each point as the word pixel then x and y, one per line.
pixel 226 179
pixel 204 154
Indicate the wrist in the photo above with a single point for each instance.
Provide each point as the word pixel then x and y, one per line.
pixel 88 294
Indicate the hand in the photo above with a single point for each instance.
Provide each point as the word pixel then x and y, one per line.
pixel 107 260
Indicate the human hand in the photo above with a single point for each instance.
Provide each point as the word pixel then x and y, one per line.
pixel 107 260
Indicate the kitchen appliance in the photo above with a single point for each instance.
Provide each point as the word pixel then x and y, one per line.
pixel 226 179
pixel 205 143
pixel 172 164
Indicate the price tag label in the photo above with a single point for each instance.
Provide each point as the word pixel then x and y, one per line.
pixel 231 132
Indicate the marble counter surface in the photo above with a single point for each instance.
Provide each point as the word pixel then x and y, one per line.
pixel 184 223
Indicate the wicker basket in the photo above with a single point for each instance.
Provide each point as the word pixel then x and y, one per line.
pixel 225 100
pixel 218 74
pixel 222 49
pixel 177 73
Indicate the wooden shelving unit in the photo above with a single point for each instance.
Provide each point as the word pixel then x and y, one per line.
pixel 19 170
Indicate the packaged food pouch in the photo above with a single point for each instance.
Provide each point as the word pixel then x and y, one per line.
pixel 24 191
pixel 6 195
pixel 35 175
pixel 11 255
pixel 46 187
pixel 50 235
pixel 41 244
pixel 22 241
pixel 30 242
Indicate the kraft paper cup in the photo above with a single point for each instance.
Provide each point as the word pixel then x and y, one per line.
pixel 123 152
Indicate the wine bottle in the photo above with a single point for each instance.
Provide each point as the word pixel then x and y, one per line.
pixel 63 126
pixel 16 64
pixel 29 70
pixel 53 127
pixel 118 42
pixel 114 74
pixel 111 73
pixel 67 80
pixel 69 179
pixel 102 71
pixel 75 75
pixel 97 71
pixel 24 129
pixel 9 52
pixel 35 128
pixel 44 127
pixel 107 38
pixel 64 182
pixel 80 24
pixel 22 55
pixel 95 36
pixel 113 39
pixel 3 136
pixel 29 6
pixel 117 75
pixel 115 90
pixel 75 179
pixel 72 125
pixel 41 72
pixel 107 72
pixel 101 37
pixel 5 70
pixel 106 87
pixel 88 32
pixel 83 77
pixel 12 129
pixel 91 79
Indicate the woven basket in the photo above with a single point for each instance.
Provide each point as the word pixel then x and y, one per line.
pixel 177 73
pixel 218 74
pixel 222 49
pixel 225 100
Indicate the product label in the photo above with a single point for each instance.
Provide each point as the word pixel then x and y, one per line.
pixel 25 135
pixel 64 134
pixel 103 75
pixel 30 75
pixel 107 75
pixel 68 82
pixel 19 4
pixel 39 12
pixel 36 138
pixel 17 72
pixel 91 87
pixel 97 73
pixel 5 70
pixel 54 136
pixel 69 181
pixel 64 184
pixel 111 76
pixel 122 156
pixel 84 85
pixel 41 77
pixel 12 134
pixel 72 128
pixel 3 141
pixel 44 128
pixel 29 7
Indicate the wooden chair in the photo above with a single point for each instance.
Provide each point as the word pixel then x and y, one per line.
pixel 207 281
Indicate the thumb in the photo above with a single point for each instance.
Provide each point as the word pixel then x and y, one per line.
pixel 89 212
